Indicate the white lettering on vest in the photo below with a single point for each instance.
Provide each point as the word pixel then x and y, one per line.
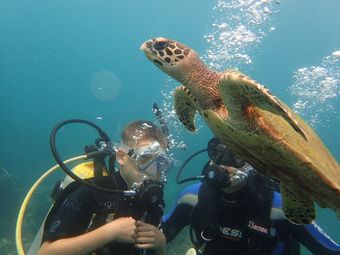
pixel 231 232
pixel 252 225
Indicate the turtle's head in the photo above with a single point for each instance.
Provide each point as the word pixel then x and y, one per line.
pixel 170 56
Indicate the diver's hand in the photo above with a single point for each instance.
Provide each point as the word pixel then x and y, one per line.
pixel 122 230
pixel 150 237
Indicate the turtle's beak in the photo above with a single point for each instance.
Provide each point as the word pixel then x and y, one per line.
pixel 143 47
pixel 146 46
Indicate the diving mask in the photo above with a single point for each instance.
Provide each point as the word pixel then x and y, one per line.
pixel 151 159
pixel 221 155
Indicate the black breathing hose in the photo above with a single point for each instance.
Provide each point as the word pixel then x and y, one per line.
pixel 104 152
pixel 183 166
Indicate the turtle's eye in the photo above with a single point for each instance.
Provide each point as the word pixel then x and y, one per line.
pixel 160 45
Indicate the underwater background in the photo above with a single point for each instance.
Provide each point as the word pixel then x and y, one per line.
pixel 81 59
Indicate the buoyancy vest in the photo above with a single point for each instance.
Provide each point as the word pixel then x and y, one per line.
pixel 105 202
pixel 237 223
pixel 107 206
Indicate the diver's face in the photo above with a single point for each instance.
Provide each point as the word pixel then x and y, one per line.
pixel 130 172
pixel 237 176
pixel 144 163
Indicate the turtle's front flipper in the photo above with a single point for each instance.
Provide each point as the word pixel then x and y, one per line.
pixel 297 209
pixel 239 91
pixel 185 107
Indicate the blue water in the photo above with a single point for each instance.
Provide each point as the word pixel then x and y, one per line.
pixel 81 59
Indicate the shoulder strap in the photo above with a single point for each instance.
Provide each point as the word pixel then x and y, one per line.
pixel 60 199
pixel 203 221
pixel 259 223
pixel 264 188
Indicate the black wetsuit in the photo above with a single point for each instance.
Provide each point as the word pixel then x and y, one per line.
pixel 84 209
pixel 242 223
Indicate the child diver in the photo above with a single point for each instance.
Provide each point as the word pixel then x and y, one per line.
pixel 91 221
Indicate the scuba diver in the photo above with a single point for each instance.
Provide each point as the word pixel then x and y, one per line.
pixel 237 210
pixel 85 220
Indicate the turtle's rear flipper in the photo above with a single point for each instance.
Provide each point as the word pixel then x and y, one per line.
pixel 297 209
pixel 185 107
pixel 239 91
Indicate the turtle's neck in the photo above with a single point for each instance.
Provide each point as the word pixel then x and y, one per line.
pixel 199 79
pixel 196 73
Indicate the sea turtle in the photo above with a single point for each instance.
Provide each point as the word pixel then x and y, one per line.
pixel 255 125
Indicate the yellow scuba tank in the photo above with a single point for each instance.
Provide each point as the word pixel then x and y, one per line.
pixel 83 170
pixel 86 170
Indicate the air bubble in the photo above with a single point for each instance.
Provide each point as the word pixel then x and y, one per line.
pixel 237 28
pixel 315 89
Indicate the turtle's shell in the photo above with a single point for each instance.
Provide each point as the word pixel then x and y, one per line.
pixel 267 134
